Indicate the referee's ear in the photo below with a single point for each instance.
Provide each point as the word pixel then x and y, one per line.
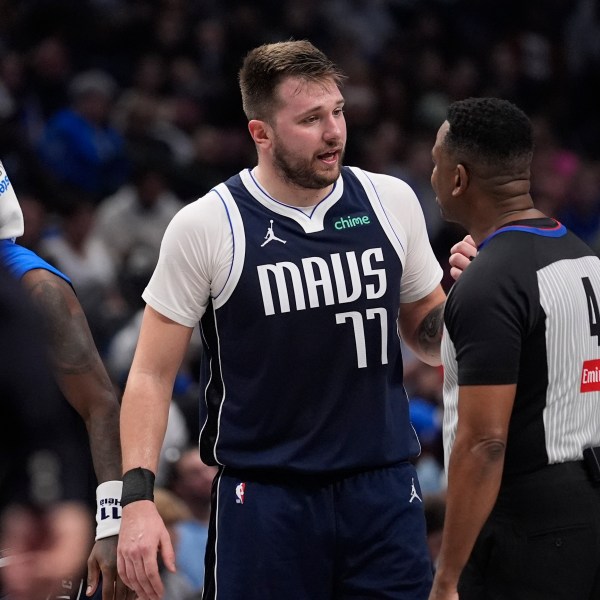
pixel 461 180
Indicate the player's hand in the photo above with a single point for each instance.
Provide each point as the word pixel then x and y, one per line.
pixel 443 592
pixel 461 255
pixel 103 559
pixel 143 534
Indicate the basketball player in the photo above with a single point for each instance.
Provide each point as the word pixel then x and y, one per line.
pixel 521 351
pixel 82 379
pixel 45 525
pixel 299 271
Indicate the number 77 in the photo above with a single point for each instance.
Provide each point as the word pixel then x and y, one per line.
pixel 359 332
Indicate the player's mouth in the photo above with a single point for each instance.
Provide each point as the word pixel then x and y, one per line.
pixel 329 158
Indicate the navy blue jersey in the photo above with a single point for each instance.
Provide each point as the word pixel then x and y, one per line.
pixel 303 368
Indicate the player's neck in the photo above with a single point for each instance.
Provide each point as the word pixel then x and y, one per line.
pixel 286 192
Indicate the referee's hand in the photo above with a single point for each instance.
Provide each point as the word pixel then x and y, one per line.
pixel 461 255
pixel 143 534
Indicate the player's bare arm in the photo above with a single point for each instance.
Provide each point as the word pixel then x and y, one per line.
pixel 430 331
pixel 78 368
pixel 160 350
pixel 421 324
pixel 83 380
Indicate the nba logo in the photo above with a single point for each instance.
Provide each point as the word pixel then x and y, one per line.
pixel 240 490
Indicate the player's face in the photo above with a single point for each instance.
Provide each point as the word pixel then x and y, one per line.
pixel 443 174
pixel 309 133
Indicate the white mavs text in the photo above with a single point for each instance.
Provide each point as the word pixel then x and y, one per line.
pixel 316 273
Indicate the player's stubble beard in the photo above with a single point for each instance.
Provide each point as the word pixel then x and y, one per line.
pixel 301 172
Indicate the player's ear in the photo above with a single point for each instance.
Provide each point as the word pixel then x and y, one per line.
pixel 260 132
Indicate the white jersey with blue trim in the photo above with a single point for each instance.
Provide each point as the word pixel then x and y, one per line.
pixel 298 310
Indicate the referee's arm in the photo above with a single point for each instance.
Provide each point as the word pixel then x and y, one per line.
pixel 474 475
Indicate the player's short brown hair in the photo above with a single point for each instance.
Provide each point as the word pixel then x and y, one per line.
pixel 266 66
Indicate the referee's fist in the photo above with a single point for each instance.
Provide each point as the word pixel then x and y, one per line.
pixel 461 254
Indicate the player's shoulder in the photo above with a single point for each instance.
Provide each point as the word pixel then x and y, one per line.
pixel 20 260
pixel 208 206
pixel 395 195
pixel 384 183
pixel 205 217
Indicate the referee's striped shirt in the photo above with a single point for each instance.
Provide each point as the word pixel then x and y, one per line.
pixel 526 311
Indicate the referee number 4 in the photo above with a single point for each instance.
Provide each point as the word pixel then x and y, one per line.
pixel 592 305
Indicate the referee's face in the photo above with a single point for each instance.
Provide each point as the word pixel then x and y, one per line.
pixel 443 176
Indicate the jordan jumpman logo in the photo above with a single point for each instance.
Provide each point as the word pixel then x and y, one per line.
pixel 271 236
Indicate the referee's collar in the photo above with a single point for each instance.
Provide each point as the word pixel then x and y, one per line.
pixel 556 230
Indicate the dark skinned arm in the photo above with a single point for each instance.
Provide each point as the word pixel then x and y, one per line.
pixel 83 380
pixel 421 324
pixel 474 476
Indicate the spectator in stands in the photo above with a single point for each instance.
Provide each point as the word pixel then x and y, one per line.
pixel 78 144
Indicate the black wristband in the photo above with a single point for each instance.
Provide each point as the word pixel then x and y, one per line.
pixel 138 484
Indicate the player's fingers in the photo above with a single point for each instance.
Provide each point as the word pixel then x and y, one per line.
pixel 122 592
pixel 130 576
pixel 123 574
pixel 109 577
pixel 93 574
pixel 148 578
pixel 167 552
pixel 140 573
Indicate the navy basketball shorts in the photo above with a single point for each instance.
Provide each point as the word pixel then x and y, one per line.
pixel 298 537
pixel 541 541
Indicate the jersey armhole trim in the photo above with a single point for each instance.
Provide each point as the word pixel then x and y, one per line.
pixel 377 205
pixel 238 238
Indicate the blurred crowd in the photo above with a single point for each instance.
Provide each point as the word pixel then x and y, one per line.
pixel 116 113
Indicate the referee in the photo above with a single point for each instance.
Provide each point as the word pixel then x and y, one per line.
pixel 521 351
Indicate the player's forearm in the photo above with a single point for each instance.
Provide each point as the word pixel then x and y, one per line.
pixel 144 416
pixel 105 444
pixel 474 476
pixel 90 391
pixel 78 369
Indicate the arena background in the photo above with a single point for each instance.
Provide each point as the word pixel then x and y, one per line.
pixel 158 81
